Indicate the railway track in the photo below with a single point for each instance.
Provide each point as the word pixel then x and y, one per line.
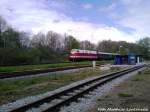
pixel 4 75
pixel 56 101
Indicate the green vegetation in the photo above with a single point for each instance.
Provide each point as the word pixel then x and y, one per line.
pixel 146 71
pixel 136 78
pixel 139 77
pixel 124 95
pixel 140 74
pixel 12 89
pixel 46 66
pixel 115 68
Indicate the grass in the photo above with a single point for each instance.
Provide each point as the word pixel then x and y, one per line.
pixel 12 89
pixel 9 84
pixel 146 71
pixel 136 79
pixel 124 95
pixel 140 74
pixel 139 77
pixel 115 68
pixel 46 66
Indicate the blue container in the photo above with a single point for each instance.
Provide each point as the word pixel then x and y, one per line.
pixel 132 58
pixel 117 59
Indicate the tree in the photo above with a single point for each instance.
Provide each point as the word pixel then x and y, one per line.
pixel 3 27
pixel 71 43
pixel 108 46
pixel 12 38
pixel 10 43
pixel 144 43
pixel 53 41
pixel 121 47
pixel 38 40
pixel 25 39
pixel 87 45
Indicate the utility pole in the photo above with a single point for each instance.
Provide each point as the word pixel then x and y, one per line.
pixel 120 49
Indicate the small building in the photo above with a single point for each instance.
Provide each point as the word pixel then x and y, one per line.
pixel 127 59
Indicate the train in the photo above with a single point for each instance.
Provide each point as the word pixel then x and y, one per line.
pixel 79 54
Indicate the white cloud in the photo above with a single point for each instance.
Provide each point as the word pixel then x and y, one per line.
pixel 92 32
pixel 128 2
pixel 136 16
pixel 108 8
pixel 29 15
pixel 87 6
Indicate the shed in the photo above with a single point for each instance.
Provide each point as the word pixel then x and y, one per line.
pixel 127 59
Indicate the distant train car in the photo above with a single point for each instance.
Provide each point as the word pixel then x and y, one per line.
pixel 78 54
pixel 106 56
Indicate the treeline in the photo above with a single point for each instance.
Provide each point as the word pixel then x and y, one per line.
pixel 18 48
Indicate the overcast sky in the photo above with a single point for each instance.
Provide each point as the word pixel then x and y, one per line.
pixel 92 20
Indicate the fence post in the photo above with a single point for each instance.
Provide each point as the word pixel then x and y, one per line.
pixel 94 63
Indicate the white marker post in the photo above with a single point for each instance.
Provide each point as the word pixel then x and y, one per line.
pixel 138 59
pixel 94 64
